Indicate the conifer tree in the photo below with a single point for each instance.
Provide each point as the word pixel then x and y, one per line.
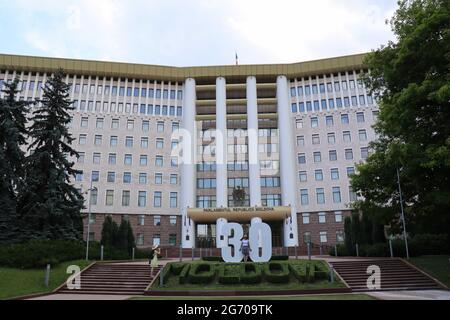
pixel 49 205
pixel 13 134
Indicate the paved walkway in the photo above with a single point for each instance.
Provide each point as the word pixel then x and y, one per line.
pixel 81 297
pixel 411 295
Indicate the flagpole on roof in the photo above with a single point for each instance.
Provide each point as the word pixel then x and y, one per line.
pixel 237 59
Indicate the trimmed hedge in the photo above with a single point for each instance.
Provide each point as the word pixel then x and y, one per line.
pixel 202 273
pixel 301 272
pixel 321 271
pixel 184 273
pixel 177 267
pixel 279 258
pixel 252 274
pixel 234 278
pixel 166 271
pixel 213 259
pixel 276 272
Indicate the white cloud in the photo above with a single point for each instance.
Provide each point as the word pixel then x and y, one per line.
pixel 200 32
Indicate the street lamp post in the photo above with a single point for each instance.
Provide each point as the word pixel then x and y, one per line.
pixel 402 214
pixel 89 219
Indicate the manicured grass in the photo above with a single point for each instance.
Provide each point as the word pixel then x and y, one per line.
pixel 313 297
pixel 172 283
pixel 17 282
pixel 436 266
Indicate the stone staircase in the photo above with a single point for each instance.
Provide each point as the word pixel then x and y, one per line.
pixel 396 274
pixel 114 279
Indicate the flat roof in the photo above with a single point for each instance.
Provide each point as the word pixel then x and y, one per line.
pixel 264 72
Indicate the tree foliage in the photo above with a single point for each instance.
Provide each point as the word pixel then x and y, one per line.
pixel 411 80
pixel 49 205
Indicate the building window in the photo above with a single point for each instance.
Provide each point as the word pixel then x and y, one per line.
pixel 329 121
pixel 127 177
pixel 300 141
pixel 125 198
pixel 304 197
pixel 79 176
pixel 173 220
pixel 314 122
pixel 95 176
pixel 144 143
pixel 174 162
pixel 344 119
pixel 142 178
pixel 348 154
pixel 317 157
pixel 82 140
pixel 96 158
pixel 159 161
pixel 156 240
pixel 350 171
pixel 360 117
pixel 362 135
pixel 323 237
pixel 159 143
pixel 271 200
pixel 333 155
pixel 340 236
pixel 347 136
pixel 315 139
pixel 336 195
pixel 98 140
pixel 111 177
pixel 160 127
pixel 318 175
pixel 307 237
pixel 322 217
pixel 128 160
pixel 173 199
pixel 352 194
pixel 157 199
pixel 109 197
pixel 113 140
pixel 142 199
pixel 145 125
pixel 364 153
pixel 130 125
pixel 94 198
pixel 115 124
pixel 174 179
pixel 335 174
pixel 338 216
pixel 112 158
pixel 299 124
pixel 320 195
pixel 157 221
pixel 305 217
pixel 143 160
pixel 140 239
pixel 331 138
pixel 303 176
pixel 172 239
pixel 158 178
pixel 301 158
pixel 84 122
pixel 129 142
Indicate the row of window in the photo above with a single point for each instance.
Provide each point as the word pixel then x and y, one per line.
pixel 331 138
pixel 122 91
pixel 267 200
pixel 141 199
pixel 231 166
pixel 207 134
pixel 333 155
pixel 331 104
pixel 141 219
pixel 128 159
pixel 318 174
pixel 210 183
pixel 320 196
pixel 127 177
pixel 130 124
pixel 143 109
pixel 338 218
pixel 329 87
pixel 323 237
pixel 129 141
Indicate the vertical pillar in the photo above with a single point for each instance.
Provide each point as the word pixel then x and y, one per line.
pixel 287 167
pixel 221 156
pixel 188 185
pixel 252 126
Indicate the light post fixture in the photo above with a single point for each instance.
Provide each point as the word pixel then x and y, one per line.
pixel 402 214
pixel 89 218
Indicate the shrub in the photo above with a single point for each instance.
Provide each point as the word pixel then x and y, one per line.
pixel 276 272
pixel 300 271
pixel 342 251
pixel 230 273
pixel 167 269
pixel 213 259
pixel 321 271
pixel 201 273
pixel 184 273
pixel 177 267
pixel 251 274
pixel 279 258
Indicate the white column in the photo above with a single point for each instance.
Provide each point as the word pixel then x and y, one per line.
pixel 287 167
pixel 221 240
pixel 221 143
pixel 252 126
pixel 254 221
pixel 188 185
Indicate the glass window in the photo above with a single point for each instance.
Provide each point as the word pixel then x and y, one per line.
pixel 142 178
pixel 339 102
pixel 314 122
pixel 352 194
pixel 300 141
pixel 304 197
pixel 323 237
pixel 307 90
pixel 320 195
pixel 142 199
pixel 174 179
pixel 173 199
pixel 323 103
pixel 172 239
pixel 362 100
pixel 322 217
pixel 143 160
pixel 314 89
pixel 336 194
pixel 360 117
pixel 158 178
pixel 294 108
pixel 111 177
pixel 130 125
pixel 156 221
pixel 307 237
pixel 333 155
pixel 159 143
pixel 160 127
pixel 126 198
pixel 303 176
pixel 157 199
pixel 94 200
pixel 112 158
pixel 346 136
pixel 129 142
pixel 362 135
pixel 82 139
pixel 350 171
pixel 140 239
pixel 109 197
pixel 144 142
pixel 145 125
pixel 115 124
pixel 364 153
pixel 156 240
pixel 113 141
pixel 127 177
pixel 335 174
pixel 173 220
pixel 348 154
pixel 315 139
pixel 338 216
pixel 99 123
pixel 344 119
pixel 96 158
pixel 329 121
pixel 331 138
pixel 84 122
pixel 293 92
pixel 128 159
pixel 318 175
pixel 79 176
pixel 95 176
pixel 354 101
pixel 337 86
pixel 340 236
pixel 316 105
pixel 317 157
pixel 301 158
pixel 159 161
pixel 98 140
pixel 305 218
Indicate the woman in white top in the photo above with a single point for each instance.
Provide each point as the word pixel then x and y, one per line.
pixel 245 248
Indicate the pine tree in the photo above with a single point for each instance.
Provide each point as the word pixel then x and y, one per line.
pixel 12 138
pixel 49 205
pixel 109 232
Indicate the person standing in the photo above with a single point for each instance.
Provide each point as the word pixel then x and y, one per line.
pixel 154 258
pixel 245 248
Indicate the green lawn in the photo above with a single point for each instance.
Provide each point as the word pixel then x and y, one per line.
pixel 172 283
pixel 436 266
pixel 310 297
pixel 17 282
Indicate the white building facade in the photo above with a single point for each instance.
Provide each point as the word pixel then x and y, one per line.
pixel 181 151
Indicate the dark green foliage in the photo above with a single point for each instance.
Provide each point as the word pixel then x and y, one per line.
pixel 411 78
pixel 166 271
pixel 184 274
pixel 279 258
pixel 321 271
pixel 201 273
pixel 361 230
pixel 110 232
pixel 341 251
pixel 276 272
pixel 230 273
pixel 177 267
pixel 125 237
pixel 49 206
pixel 213 259
pixel 116 238
pixel 252 274
pixel 13 134
pixel 301 272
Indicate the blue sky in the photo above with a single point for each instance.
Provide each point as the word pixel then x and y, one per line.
pixel 194 32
